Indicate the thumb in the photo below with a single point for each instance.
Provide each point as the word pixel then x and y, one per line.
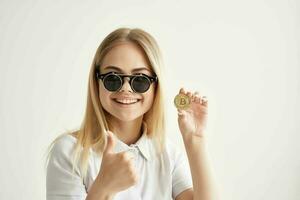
pixel 110 143
pixel 181 112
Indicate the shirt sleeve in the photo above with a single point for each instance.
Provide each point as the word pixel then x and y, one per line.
pixel 61 182
pixel 181 175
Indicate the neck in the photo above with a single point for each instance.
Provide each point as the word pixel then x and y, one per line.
pixel 127 131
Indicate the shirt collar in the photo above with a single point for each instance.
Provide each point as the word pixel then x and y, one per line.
pixel 142 144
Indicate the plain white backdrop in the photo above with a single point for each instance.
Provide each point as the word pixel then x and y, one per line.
pixel 243 55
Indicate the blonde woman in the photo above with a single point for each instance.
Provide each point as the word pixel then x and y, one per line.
pixel 120 151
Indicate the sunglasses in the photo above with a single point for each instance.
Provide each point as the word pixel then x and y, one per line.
pixel 113 81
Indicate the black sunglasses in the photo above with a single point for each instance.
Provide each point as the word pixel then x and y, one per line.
pixel 113 81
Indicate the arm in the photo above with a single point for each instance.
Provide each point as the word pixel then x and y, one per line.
pixel 203 183
pixel 61 182
pixel 192 125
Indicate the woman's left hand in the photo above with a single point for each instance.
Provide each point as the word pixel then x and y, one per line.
pixel 193 120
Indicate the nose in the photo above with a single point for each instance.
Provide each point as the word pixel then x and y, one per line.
pixel 126 85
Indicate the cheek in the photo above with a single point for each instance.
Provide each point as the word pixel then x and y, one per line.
pixel 149 98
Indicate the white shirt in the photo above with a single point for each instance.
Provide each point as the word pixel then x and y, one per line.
pixel 156 182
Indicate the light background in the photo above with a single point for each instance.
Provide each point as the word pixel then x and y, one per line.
pixel 243 55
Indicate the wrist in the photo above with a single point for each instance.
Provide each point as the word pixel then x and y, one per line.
pixel 99 191
pixel 191 139
pixel 99 194
pixel 194 136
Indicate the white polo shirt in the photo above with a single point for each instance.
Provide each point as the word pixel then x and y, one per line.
pixel 156 181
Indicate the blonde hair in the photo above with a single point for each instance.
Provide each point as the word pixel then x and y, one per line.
pixel 91 133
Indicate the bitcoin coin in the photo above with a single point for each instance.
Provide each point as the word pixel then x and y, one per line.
pixel 182 101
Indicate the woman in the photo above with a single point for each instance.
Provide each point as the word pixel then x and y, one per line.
pixel 120 151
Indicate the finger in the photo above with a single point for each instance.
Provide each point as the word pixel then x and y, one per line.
pixel 205 103
pixel 130 155
pixel 197 97
pixel 127 155
pixel 204 100
pixel 182 91
pixel 180 112
pixel 110 143
pixel 194 96
pixel 189 94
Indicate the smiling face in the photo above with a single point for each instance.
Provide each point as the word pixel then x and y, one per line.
pixel 125 104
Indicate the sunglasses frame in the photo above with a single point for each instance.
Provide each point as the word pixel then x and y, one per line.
pixel 122 76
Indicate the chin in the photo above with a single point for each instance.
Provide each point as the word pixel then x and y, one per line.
pixel 127 117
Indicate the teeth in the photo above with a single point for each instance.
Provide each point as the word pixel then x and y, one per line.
pixel 127 101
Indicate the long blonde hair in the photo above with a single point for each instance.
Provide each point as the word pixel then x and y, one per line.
pixel 91 133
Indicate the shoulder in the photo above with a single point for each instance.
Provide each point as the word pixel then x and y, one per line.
pixel 61 157
pixel 62 148
pixel 62 180
pixel 63 143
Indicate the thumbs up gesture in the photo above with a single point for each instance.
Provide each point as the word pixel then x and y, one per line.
pixel 117 170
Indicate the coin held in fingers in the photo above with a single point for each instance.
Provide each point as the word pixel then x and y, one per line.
pixel 182 101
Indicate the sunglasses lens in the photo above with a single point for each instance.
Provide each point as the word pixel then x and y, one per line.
pixel 141 84
pixel 112 82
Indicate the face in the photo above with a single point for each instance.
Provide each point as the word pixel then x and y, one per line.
pixel 125 104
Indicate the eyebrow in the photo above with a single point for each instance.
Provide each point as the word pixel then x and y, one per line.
pixel 120 70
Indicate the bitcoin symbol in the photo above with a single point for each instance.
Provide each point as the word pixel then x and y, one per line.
pixel 182 102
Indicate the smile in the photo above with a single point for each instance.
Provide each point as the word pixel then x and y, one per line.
pixel 126 101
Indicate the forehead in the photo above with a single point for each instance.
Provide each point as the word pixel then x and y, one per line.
pixel 126 57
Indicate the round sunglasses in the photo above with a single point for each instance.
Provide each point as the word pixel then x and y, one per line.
pixel 113 81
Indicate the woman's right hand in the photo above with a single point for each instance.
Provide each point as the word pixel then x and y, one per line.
pixel 117 170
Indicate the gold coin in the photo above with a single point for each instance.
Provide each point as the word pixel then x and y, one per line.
pixel 182 101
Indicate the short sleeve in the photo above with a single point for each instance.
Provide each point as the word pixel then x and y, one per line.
pixel 181 175
pixel 61 182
